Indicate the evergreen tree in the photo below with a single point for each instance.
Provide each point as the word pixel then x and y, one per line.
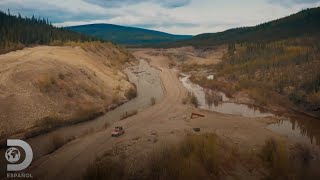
pixel 17 32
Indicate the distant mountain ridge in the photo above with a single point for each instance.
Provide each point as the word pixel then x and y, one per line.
pixel 303 23
pixel 127 35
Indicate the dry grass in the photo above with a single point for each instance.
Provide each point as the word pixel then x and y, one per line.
pixel 283 163
pixel 107 169
pixel 206 156
pixel 106 49
pixel 85 112
pixel 172 64
pixel 194 100
pixel 128 114
pixel 47 83
pixel 12 47
pixel 276 158
pixel 261 96
pixel 191 98
pixel 196 157
pixel 214 85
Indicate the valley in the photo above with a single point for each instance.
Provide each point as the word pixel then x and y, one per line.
pixel 166 122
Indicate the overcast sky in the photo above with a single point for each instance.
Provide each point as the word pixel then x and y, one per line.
pixel 173 16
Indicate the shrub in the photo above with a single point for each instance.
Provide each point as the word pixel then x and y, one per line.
pixel 276 157
pixel 131 93
pixel 196 157
pixel 194 100
pixel 107 169
pixel 47 83
pixel 212 98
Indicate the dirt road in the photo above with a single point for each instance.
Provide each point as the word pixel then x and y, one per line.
pixel 167 121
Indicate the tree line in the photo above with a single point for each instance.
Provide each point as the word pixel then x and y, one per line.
pixel 17 31
pixel 301 24
pixel 289 67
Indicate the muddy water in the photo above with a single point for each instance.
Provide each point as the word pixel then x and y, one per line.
pixel 299 128
pixel 224 107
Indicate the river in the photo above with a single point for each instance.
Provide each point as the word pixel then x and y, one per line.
pixel 297 127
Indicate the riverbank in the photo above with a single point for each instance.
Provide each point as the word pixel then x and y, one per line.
pixel 148 84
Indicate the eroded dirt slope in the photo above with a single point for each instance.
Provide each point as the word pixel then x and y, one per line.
pixel 44 86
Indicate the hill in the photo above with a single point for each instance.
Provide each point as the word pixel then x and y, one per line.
pixel 303 23
pixel 127 35
pixel 276 63
pixel 17 32
pixel 46 87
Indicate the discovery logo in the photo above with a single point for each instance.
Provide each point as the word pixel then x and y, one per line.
pixel 13 156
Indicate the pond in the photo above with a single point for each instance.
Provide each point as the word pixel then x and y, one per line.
pixel 297 127
pixel 224 107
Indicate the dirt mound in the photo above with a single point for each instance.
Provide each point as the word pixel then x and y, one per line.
pixel 45 87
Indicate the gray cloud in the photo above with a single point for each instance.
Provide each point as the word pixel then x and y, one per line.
pixel 174 3
pixel 119 3
pixel 164 25
pixel 54 13
pixel 163 15
pixel 57 15
pixel 289 3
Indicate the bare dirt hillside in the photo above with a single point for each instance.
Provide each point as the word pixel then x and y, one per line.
pixel 190 55
pixel 44 87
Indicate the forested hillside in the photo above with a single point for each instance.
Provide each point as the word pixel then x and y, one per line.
pixel 275 59
pixel 289 68
pixel 17 32
pixel 304 23
pixel 127 35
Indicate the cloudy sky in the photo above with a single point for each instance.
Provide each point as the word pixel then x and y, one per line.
pixel 173 16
